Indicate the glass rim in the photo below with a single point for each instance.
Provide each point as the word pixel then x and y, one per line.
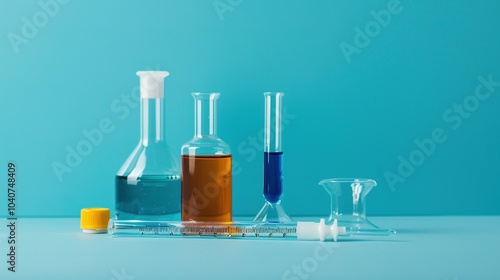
pixel 348 180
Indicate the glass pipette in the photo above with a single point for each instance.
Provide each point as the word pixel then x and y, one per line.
pixel 246 230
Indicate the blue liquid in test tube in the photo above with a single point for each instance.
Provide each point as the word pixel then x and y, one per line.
pixel 273 176
pixel 272 211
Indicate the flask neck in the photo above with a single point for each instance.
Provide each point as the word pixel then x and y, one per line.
pixel 152 126
pixel 205 114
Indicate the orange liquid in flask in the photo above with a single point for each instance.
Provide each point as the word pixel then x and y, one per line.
pixel 206 188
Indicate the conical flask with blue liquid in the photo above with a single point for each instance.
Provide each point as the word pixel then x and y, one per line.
pixel 147 186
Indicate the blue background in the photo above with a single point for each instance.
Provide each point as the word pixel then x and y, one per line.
pixel 346 119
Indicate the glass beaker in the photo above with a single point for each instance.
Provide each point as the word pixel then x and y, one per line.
pixel 272 211
pixel 147 186
pixel 206 167
pixel 348 201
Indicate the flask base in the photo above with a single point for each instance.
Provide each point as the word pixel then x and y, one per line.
pixel 272 213
pixel 352 221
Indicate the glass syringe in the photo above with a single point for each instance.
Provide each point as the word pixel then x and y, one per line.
pixel 246 230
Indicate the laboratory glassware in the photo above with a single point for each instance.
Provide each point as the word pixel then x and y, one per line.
pixel 272 211
pixel 348 201
pixel 206 169
pixel 245 230
pixel 147 186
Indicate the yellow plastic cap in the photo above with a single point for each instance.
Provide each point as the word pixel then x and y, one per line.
pixel 94 220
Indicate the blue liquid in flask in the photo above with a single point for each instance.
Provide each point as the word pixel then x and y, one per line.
pixel 150 198
pixel 273 176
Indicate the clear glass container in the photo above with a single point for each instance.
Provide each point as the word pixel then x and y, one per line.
pixel 147 186
pixel 273 211
pixel 348 201
pixel 206 167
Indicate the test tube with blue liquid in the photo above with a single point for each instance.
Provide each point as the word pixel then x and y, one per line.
pixel 272 211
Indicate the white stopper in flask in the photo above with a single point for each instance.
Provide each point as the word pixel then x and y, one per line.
pixel 319 231
pixel 152 83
